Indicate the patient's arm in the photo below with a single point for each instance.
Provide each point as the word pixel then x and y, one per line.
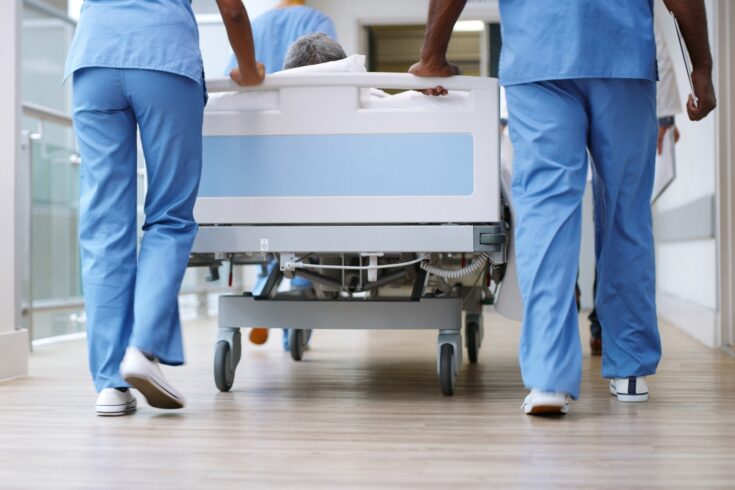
pixel 443 14
pixel 240 34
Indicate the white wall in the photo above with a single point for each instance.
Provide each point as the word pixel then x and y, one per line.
pixel 216 51
pixel 74 7
pixel 13 343
pixel 687 271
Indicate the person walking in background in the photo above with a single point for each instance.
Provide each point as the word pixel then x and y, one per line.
pixel 274 32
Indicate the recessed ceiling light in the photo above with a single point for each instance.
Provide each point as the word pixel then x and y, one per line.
pixel 469 26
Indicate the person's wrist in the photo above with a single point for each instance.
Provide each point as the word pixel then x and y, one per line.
pixel 433 62
pixel 249 72
pixel 703 67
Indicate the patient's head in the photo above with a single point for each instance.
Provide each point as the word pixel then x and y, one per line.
pixel 313 49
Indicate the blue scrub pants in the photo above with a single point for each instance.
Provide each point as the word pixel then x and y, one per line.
pixel 553 125
pixel 131 296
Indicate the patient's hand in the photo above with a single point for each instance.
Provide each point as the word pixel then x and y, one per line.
pixel 248 77
pixel 442 70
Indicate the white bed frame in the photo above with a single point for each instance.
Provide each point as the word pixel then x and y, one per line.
pixel 318 104
pixel 287 226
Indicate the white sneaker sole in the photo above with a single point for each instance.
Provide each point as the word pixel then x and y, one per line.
pixel 546 410
pixel 546 405
pixel 639 398
pixel 116 410
pixel 156 395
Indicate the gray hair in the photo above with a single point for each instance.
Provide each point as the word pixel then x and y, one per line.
pixel 313 49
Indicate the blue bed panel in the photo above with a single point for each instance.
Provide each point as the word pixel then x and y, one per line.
pixel 432 164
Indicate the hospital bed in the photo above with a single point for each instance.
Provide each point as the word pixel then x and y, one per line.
pixel 393 211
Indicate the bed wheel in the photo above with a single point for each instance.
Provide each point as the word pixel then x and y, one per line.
pixel 224 370
pixel 472 333
pixel 473 336
pixel 447 369
pixel 296 342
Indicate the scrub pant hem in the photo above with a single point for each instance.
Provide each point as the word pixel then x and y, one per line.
pixel 641 374
pixel 572 392
pixel 111 384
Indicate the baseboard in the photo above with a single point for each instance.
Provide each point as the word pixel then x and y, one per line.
pixel 13 354
pixel 695 320
pixel 57 339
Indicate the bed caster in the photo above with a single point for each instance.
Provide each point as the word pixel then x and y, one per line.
pixel 447 374
pixel 449 361
pixel 473 336
pixel 296 343
pixel 226 358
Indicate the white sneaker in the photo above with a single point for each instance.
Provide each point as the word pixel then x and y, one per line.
pixel 113 403
pixel 630 389
pixel 545 403
pixel 146 377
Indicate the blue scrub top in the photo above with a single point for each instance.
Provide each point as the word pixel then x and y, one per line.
pixel 275 30
pixel 157 35
pixel 568 39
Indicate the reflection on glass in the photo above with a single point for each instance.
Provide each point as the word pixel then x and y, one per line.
pixel 53 323
pixel 54 222
pixel 45 42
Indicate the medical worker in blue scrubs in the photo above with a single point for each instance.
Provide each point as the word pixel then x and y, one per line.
pixel 136 67
pixel 278 28
pixel 274 32
pixel 581 75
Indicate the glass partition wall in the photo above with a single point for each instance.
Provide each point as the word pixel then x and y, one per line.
pixel 51 292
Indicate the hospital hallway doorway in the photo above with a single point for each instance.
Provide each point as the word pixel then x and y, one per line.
pixel 363 410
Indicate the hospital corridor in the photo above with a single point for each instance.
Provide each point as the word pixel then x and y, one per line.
pixel 347 244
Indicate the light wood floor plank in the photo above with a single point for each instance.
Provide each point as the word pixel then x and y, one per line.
pixel 363 410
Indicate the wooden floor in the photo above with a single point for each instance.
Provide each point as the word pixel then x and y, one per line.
pixel 363 410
